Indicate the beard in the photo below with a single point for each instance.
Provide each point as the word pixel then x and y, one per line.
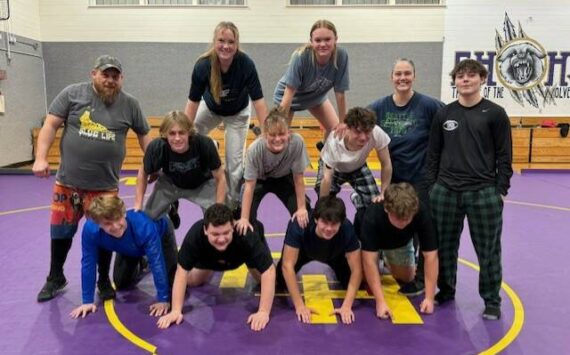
pixel 105 93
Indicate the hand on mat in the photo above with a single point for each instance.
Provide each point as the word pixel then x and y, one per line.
pixel 426 306
pixel 172 317
pixel 41 168
pixel 159 308
pixel 302 217
pixel 83 310
pixel 345 313
pixel 304 314
pixel 258 321
pixel 242 225
pixel 382 310
pixel 340 130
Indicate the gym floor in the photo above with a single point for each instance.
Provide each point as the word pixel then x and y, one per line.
pixel 535 310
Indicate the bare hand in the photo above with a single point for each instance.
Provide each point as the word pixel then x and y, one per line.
pixel 41 168
pixel 159 308
pixel 283 110
pixel 83 310
pixel 382 311
pixel 345 313
pixel 304 314
pixel 258 321
pixel 378 199
pixel 426 306
pixel 340 130
pixel 172 317
pixel 302 217
pixel 242 225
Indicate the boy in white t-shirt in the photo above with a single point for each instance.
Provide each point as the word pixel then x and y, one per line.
pixel 344 159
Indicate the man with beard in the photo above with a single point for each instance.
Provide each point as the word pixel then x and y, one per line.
pixel 97 116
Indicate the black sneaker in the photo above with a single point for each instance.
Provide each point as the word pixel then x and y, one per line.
pixel 51 288
pixel 492 313
pixel 411 289
pixel 441 298
pixel 174 216
pixel 106 290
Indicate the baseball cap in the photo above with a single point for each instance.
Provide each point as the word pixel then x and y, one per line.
pixel 105 62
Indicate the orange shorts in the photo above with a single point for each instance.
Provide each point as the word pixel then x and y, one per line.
pixel 68 206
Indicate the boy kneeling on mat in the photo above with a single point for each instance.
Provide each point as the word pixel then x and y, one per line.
pixel 131 234
pixel 329 238
pixel 211 245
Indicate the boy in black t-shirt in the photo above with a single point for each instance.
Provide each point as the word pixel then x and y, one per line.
pixel 390 227
pixel 211 245
pixel 187 164
pixel 330 239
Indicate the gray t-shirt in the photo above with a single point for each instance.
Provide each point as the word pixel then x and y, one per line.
pixel 261 164
pixel 312 81
pixel 93 143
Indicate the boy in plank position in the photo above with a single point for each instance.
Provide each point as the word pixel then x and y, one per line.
pixel 211 245
pixel 132 235
pixel 330 239
pixel 390 227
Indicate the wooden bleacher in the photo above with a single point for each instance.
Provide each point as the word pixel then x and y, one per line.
pixel 533 146
pixel 536 147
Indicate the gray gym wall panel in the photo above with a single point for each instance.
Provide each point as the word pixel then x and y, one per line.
pixel 158 74
pixel 24 95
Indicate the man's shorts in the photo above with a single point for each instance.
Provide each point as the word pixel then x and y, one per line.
pixel 403 256
pixel 68 207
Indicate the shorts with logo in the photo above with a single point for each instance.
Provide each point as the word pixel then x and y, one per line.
pixel 68 207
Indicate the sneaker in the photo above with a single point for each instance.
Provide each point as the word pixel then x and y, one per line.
pixel 174 216
pixel 411 289
pixel 106 290
pixel 320 145
pixel 51 288
pixel 492 313
pixel 441 298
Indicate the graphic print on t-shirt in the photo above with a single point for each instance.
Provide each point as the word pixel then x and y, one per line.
pixel 320 84
pixel 183 166
pixel 93 130
pixel 398 124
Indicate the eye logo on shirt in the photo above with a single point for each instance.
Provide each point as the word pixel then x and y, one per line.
pixel 450 125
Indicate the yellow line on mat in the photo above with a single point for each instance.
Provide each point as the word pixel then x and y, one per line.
pixel 121 329
pixel 518 317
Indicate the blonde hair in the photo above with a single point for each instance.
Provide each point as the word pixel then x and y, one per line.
pixel 215 70
pixel 179 118
pixel 276 121
pixel 401 199
pixel 322 23
pixel 109 207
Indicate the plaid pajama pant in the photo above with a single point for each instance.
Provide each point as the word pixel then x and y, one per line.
pixel 361 180
pixel 484 211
